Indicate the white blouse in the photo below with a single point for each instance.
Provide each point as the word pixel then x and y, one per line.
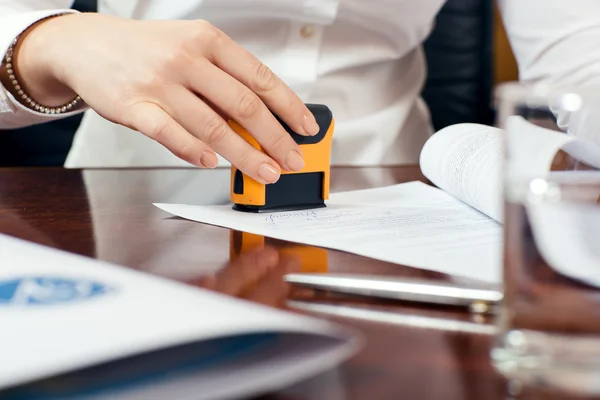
pixel 362 58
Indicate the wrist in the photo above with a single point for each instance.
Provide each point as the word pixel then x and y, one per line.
pixel 34 68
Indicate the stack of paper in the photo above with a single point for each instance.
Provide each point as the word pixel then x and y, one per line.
pixel 96 330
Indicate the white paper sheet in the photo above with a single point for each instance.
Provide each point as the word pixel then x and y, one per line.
pixel 412 224
pixel 60 312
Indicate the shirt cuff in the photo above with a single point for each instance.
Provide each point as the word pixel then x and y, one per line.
pixel 13 114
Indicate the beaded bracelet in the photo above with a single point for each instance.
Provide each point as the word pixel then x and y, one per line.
pixel 24 97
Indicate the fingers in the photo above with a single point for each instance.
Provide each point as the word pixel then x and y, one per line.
pixel 272 289
pixel 279 98
pixel 245 107
pixel 205 124
pixel 154 122
pixel 246 271
pixel 258 275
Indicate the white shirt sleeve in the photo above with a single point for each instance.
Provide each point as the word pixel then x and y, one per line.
pixel 554 41
pixel 15 17
pixel 557 42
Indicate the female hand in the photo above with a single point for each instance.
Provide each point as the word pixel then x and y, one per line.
pixel 174 81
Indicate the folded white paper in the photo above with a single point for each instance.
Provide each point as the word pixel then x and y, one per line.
pixel 61 312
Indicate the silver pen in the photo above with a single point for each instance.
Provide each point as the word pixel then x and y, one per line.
pixel 479 298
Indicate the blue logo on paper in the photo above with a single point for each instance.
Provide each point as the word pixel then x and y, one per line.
pixel 42 290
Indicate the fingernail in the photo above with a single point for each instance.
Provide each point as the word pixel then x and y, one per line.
pixel 209 159
pixel 267 173
pixel 310 125
pixel 294 161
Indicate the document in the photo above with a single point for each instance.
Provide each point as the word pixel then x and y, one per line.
pixel 453 228
pixel 412 224
pixel 73 327
pixel 467 160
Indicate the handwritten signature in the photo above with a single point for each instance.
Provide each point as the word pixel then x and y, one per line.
pixel 305 216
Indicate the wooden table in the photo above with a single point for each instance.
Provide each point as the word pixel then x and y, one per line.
pixel 411 352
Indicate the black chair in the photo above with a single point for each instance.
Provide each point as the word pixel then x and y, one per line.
pixel 459 56
pixel 42 145
pixel 458 87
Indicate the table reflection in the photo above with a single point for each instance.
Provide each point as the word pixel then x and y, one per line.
pixel 256 275
pixel 411 351
pixel 310 259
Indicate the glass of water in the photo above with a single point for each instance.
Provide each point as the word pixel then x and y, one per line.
pixel 549 320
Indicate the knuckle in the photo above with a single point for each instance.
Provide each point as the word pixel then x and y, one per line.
pixel 249 105
pixel 160 131
pixel 172 60
pixel 215 130
pixel 186 152
pixel 278 141
pixel 206 33
pixel 245 161
pixel 147 82
pixel 265 80
pixel 294 108
pixel 205 26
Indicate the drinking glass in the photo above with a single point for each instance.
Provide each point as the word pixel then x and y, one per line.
pixel 549 319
